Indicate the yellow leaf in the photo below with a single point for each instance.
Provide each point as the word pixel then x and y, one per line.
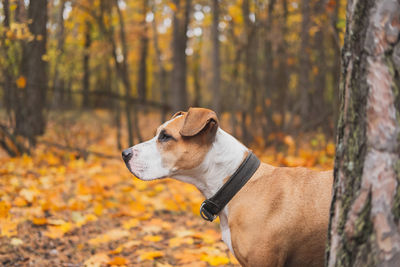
pixel 177 241
pixel 151 255
pixel 330 149
pixel 117 250
pixel 172 6
pixel 8 228
pixel 21 82
pixel 111 235
pixel 4 208
pixel 19 202
pixel 98 209
pixel 118 261
pixel 152 238
pixel 130 223
pixel 215 260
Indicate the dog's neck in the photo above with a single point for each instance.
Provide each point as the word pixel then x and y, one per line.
pixel 224 157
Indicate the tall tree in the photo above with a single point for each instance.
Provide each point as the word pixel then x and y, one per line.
pixel 143 51
pixel 365 211
pixel 58 89
pixel 216 62
pixel 34 68
pixel 86 67
pixel 179 43
pixel 162 72
pixel 304 79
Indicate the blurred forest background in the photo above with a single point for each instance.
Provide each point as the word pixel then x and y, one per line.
pixel 272 65
pixel 82 79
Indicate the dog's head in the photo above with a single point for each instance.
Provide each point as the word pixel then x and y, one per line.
pixel 179 144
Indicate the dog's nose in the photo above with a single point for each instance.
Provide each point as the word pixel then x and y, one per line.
pixel 127 154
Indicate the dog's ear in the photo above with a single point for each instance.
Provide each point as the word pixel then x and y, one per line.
pixel 199 119
pixel 178 114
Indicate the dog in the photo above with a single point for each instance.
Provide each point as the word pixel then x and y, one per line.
pixel 269 216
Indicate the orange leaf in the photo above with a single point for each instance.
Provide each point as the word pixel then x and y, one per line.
pixel 118 261
pixel 39 221
pixel 21 82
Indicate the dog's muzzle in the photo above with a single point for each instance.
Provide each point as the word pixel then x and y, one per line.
pixel 127 155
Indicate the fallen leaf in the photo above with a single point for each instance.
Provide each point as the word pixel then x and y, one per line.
pixel 118 261
pixel 151 255
pixel 97 260
pixel 39 221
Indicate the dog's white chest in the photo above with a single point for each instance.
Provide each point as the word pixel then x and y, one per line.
pixel 226 232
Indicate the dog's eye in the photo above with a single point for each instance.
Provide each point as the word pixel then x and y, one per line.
pixel 164 137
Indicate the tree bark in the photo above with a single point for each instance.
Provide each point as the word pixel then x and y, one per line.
pixel 269 73
pixel 143 50
pixel 86 67
pixel 216 62
pixel 162 73
pixel 59 83
pixel 32 121
pixel 304 79
pixel 179 39
pixel 364 227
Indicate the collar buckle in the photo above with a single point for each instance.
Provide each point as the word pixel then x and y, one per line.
pixel 205 214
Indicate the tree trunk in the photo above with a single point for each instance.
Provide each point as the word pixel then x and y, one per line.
pixel 196 73
pixel 216 63
pixel 144 43
pixel 32 121
pixel 162 73
pixel 8 90
pixel 179 39
pixel 335 69
pixel 282 79
pixel 86 67
pixel 364 228
pixel 318 107
pixel 59 83
pixel 269 74
pixel 6 9
pixel 304 79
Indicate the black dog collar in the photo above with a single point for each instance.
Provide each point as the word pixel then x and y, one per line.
pixel 211 207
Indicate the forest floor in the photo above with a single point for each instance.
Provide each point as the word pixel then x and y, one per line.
pixel 64 207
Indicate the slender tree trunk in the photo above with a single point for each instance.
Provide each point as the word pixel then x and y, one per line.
pixel 364 228
pixel 143 50
pixel 124 73
pixel 59 83
pixel 20 11
pixel 196 78
pixel 335 69
pixel 282 77
pixel 6 9
pixel 304 79
pixel 32 123
pixel 250 104
pixel 86 67
pixel 179 39
pixel 8 86
pixel 216 62
pixel 269 73
pixel 162 73
pixel 318 108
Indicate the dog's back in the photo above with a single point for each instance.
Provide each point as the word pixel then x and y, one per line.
pixel 294 217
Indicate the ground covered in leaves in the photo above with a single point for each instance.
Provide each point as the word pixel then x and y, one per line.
pixel 66 206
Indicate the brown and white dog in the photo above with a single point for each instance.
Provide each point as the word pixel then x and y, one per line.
pixel 279 217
